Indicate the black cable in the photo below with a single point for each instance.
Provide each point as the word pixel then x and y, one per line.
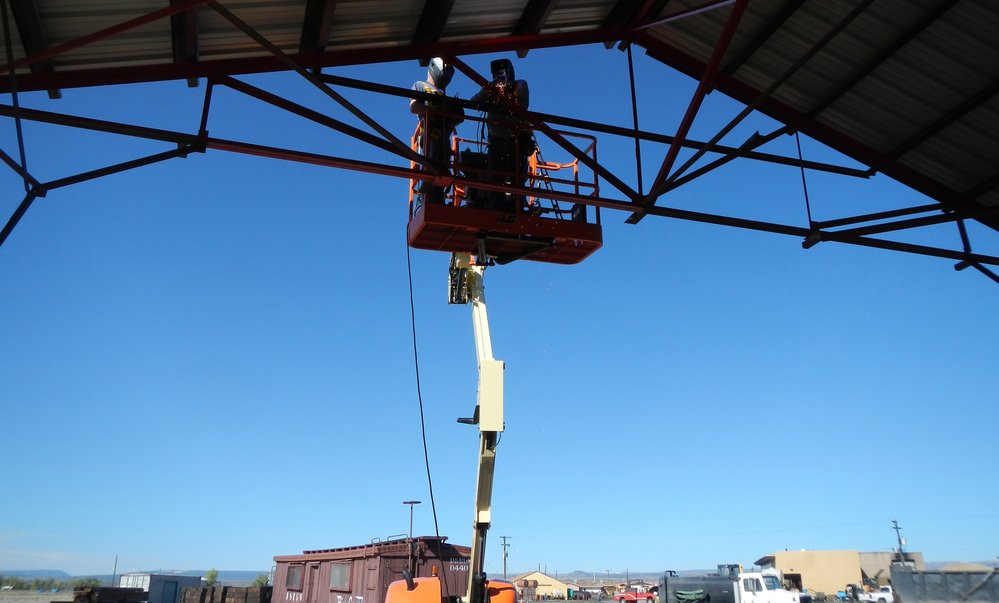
pixel 423 424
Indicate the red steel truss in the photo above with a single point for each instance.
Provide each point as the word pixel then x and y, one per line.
pixel 855 230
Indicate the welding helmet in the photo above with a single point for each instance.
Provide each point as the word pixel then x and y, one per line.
pixel 502 71
pixel 439 72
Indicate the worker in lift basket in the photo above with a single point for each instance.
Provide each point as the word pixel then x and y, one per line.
pixel 438 120
pixel 510 137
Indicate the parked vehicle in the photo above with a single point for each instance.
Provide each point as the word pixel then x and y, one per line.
pixel 635 596
pixel 884 594
pixel 746 587
pixel 852 592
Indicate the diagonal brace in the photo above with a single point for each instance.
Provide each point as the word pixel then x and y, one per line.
pixel 23 173
pixel 182 151
pixel 942 218
pixel 16 216
pixel 753 142
pixel 307 113
pixel 703 87
pixel 41 189
pixel 402 147
pixel 790 71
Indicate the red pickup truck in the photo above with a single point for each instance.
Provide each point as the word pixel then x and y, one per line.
pixel 632 596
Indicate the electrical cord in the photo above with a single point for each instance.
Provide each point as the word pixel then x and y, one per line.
pixel 423 424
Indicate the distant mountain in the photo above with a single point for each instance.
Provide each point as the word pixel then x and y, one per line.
pixel 57 574
pixel 937 565
pixel 619 577
pixel 601 576
pixel 226 577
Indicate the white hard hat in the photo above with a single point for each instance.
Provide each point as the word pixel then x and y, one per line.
pixel 440 72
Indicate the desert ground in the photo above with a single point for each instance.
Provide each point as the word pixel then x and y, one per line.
pixel 21 596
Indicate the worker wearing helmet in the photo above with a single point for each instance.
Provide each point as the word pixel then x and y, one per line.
pixel 509 136
pixel 437 121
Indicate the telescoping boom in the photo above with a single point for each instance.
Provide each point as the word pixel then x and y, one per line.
pixel 464 287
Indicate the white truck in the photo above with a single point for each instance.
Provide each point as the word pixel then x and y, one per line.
pixel 746 587
pixel 883 594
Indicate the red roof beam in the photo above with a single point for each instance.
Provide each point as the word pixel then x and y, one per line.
pixel 532 19
pixel 266 63
pixel 114 30
pixel 316 25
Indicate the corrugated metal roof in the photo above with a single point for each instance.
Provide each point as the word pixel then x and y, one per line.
pixel 907 87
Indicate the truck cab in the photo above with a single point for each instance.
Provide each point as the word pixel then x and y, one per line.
pixel 745 587
pixel 766 587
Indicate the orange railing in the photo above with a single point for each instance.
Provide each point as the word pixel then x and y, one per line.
pixel 543 177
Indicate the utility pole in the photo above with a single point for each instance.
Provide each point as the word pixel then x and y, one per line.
pixel 412 551
pixel 898 536
pixel 505 545
pixel 411 503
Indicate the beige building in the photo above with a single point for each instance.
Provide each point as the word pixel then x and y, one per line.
pixel 816 571
pixel 536 585
pixel 830 571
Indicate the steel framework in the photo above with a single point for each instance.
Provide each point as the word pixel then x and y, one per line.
pixel 861 230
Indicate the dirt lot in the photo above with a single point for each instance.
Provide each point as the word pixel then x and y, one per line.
pixel 23 596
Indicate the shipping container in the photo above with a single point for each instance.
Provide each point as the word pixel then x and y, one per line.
pixel 944 586
pixel 160 588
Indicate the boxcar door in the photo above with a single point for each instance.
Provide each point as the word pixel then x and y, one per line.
pixel 314 587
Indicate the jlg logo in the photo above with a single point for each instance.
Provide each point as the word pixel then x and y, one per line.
pixel 507 219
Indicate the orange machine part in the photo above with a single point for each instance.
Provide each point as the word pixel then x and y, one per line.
pixel 501 591
pixel 428 590
pixel 440 227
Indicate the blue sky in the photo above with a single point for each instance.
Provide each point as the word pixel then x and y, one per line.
pixel 209 362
